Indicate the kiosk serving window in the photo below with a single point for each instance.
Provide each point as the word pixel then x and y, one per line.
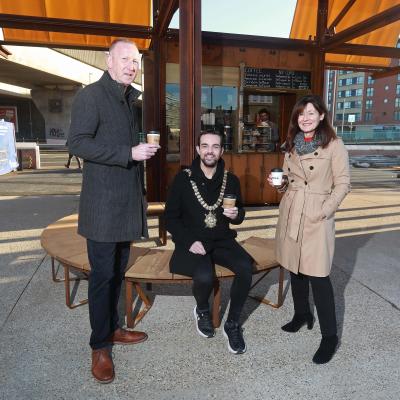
pixel 261 116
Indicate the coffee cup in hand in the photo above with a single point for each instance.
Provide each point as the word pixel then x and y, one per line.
pixel 153 137
pixel 229 201
pixel 277 176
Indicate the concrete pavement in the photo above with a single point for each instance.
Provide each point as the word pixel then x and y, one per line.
pixel 44 350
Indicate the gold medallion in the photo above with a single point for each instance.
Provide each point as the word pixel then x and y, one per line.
pixel 210 220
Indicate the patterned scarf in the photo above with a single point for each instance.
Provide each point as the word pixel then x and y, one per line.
pixel 302 147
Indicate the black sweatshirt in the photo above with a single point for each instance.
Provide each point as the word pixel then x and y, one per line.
pixel 185 215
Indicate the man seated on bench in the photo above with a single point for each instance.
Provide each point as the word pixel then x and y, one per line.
pixel 200 230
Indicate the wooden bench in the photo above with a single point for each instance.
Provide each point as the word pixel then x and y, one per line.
pixel 153 267
pixel 63 244
pixel 155 209
pixel 145 266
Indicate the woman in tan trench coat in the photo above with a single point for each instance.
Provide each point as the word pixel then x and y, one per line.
pixel 316 180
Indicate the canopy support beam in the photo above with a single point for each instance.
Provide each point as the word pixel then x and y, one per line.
pixel 340 16
pixel 318 69
pixel 388 72
pixel 369 51
pixel 165 11
pixel 190 60
pixel 74 26
pixel 377 21
pixel 154 102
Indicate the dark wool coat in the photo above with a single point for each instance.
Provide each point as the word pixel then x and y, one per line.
pixel 185 215
pixel 104 128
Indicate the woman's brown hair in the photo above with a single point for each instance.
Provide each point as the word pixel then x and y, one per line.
pixel 324 131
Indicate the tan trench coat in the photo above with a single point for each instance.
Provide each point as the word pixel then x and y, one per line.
pixel 305 234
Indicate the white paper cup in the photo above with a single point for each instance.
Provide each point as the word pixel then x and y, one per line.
pixel 153 137
pixel 229 201
pixel 276 176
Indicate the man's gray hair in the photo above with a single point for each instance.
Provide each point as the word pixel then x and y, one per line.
pixel 120 40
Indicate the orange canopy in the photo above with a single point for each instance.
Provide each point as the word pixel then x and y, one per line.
pixel 137 13
pixel 305 21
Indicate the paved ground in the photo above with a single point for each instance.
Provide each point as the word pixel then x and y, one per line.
pixel 44 350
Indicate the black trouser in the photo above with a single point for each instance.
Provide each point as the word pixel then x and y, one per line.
pixel 108 263
pixel 234 258
pixel 323 299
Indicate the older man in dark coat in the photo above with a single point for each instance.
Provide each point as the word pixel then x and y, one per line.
pixel 112 210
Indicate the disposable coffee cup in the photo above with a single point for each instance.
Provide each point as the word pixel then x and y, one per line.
pixel 276 176
pixel 153 137
pixel 229 201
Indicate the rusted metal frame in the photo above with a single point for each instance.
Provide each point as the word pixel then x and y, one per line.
pixel 4 52
pixel 384 74
pixel 236 40
pixel 54 273
pixel 340 16
pixel 356 67
pixel 322 20
pixel 53 45
pixel 131 285
pixel 375 22
pixel 368 51
pixel 166 10
pixel 67 281
pixel 318 67
pixel 74 26
pixel 190 60
pixel 154 119
pixel 280 297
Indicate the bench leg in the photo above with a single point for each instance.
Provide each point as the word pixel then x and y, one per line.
pixel 280 290
pixel 54 273
pixel 128 302
pixel 130 321
pixel 216 304
pixel 67 281
pixel 162 231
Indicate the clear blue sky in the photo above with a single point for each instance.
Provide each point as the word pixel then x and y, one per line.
pixel 250 17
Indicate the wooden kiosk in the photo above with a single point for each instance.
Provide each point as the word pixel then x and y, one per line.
pixel 238 82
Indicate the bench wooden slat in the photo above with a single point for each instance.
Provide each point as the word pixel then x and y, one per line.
pixel 153 265
pixel 262 250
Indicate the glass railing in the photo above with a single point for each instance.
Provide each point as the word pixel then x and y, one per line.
pixel 370 136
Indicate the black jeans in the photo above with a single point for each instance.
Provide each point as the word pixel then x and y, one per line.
pixel 233 257
pixel 323 299
pixel 108 263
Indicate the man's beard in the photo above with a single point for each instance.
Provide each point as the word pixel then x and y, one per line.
pixel 209 164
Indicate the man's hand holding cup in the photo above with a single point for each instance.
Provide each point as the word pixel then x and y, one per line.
pixel 144 151
pixel 230 211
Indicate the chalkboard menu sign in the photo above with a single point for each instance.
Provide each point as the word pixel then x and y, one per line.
pixel 276 78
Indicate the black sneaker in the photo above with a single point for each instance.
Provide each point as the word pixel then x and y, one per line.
pixel 203 323
pixel 234 333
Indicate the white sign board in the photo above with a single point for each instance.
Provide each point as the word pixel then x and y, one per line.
pixel 8 152
pixel 351 118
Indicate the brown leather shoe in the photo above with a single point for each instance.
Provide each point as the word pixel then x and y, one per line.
pixel 102 365
pixel 122 336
